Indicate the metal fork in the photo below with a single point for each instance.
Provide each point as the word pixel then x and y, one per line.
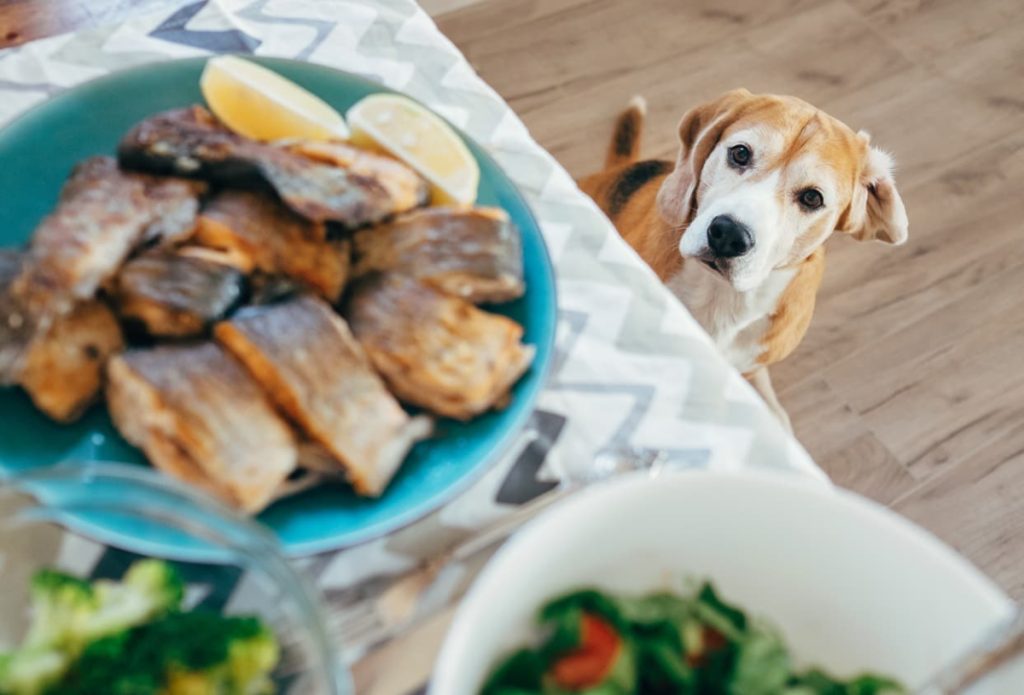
pixel 374 611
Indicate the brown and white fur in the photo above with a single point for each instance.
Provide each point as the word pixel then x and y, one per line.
pixel 735 226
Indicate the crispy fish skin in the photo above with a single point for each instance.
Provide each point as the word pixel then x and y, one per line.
pixel 191 142
pixel 63 369
pixel 305 357
pixel 435 350
pixel 407 188
pixel 473 254
pixel 262 234
pixel 176 293
pixel 199 416
pixel 103 214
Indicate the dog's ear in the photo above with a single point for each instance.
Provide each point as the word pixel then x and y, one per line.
pixel 699 132
pixel 877 211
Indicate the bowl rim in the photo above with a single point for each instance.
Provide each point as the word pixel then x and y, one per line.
pixel 459 638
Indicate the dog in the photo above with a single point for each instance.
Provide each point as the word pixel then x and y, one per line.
pixel 735 226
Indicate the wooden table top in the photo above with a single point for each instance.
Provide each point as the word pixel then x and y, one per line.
pixel 26 20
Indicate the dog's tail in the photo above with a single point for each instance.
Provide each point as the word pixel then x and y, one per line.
pixel 626 139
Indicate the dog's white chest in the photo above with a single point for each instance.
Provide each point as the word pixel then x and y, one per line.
pixel 736 321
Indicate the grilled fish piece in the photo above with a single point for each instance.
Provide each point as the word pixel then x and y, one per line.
pixel 407 188
pixel 473 254
pixel 103 214
pixel 191 142
pixel 305 357
pixel 62 368
pixel 177 293
pixel 199 416
pixel 434 350
pixel 262 234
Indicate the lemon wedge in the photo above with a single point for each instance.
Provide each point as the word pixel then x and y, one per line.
pixel 260 104
pixel 408 131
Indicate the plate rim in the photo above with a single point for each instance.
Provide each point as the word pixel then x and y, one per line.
pixel 307 548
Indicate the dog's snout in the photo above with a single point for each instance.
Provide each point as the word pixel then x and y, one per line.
pixel 729 238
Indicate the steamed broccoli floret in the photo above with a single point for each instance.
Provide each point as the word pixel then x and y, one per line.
pixel 149 589
pixel 67 612
pixel 180 654
pixel 61 604
pixel 129 638
pixel 30 671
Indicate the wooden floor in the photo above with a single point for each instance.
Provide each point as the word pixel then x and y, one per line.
pixel 910 384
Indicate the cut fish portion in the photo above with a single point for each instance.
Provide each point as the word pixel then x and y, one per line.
pixel 305 357
pixel 63 368
pixel 191 142
pixel 200 417
pixel 177 293
pixel 474 254
pixel 407 188
pixel 259 233
pixel 435 350
pixel 103 215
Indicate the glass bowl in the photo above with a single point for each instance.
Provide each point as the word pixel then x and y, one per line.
pixel 45 523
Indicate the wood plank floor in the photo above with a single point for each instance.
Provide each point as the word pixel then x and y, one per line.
pixel 910 384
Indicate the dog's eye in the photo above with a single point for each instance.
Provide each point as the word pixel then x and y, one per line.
pixel 740 155
pixel 810 198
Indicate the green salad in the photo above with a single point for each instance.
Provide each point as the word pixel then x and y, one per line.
pixel 133 638
pixel 663 644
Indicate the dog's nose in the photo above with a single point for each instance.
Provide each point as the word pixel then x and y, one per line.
pixel 729 238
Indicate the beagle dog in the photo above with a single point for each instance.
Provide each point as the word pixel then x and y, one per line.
pixel 735 226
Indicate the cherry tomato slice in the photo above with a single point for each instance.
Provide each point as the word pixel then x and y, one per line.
pixel 590 663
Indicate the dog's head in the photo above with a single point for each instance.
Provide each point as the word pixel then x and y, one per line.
pixel 762 181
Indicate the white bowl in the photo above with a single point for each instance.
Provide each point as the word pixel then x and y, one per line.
pixel 852 585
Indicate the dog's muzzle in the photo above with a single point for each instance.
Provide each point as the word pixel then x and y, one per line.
pixel 728 238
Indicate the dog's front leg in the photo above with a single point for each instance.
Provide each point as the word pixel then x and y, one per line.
pixel 762 383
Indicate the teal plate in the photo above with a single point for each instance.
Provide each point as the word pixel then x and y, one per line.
pixel 38 150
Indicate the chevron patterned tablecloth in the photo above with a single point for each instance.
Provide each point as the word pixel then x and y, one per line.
pixel 632 368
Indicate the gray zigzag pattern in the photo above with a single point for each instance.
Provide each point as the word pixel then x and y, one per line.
pixel 43 87
pixel 254 13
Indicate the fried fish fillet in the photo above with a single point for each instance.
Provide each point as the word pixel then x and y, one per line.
pixel 407 188
pixel 474 254
pixel 103 215
pixel 305 357
pixel 191 142
pixel 262 234
pixel 435 350
pixel 199 416
pixel 177 293
pixel 62 368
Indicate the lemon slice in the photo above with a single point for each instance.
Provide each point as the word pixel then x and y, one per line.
pixel 258 103
pixel 422 140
